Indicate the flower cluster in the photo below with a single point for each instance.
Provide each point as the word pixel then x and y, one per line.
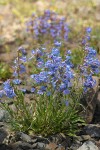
pixel 90 67
pixel 49 24
pixel 91 64
pixel 56 74
pixel 87 36
pixel 7 90
pixel 19 67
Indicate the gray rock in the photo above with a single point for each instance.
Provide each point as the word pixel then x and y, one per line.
pixel 93 130
pixel 5 147
pixel 21 145
pixel 83 138
pixel 20 136
pixel 3 134
pixel 88 146
pixel 41 139
pixel 25 137
pixel 34 145
pixel 3 115
pixel 58 138
pixel 26 146
pixel 1 124
pixel 75 146
pixel 33 141
pixel 41 145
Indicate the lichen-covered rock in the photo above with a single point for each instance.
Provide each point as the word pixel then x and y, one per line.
pixel 88 146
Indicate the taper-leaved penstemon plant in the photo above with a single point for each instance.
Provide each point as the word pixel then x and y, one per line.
pixel 56 86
